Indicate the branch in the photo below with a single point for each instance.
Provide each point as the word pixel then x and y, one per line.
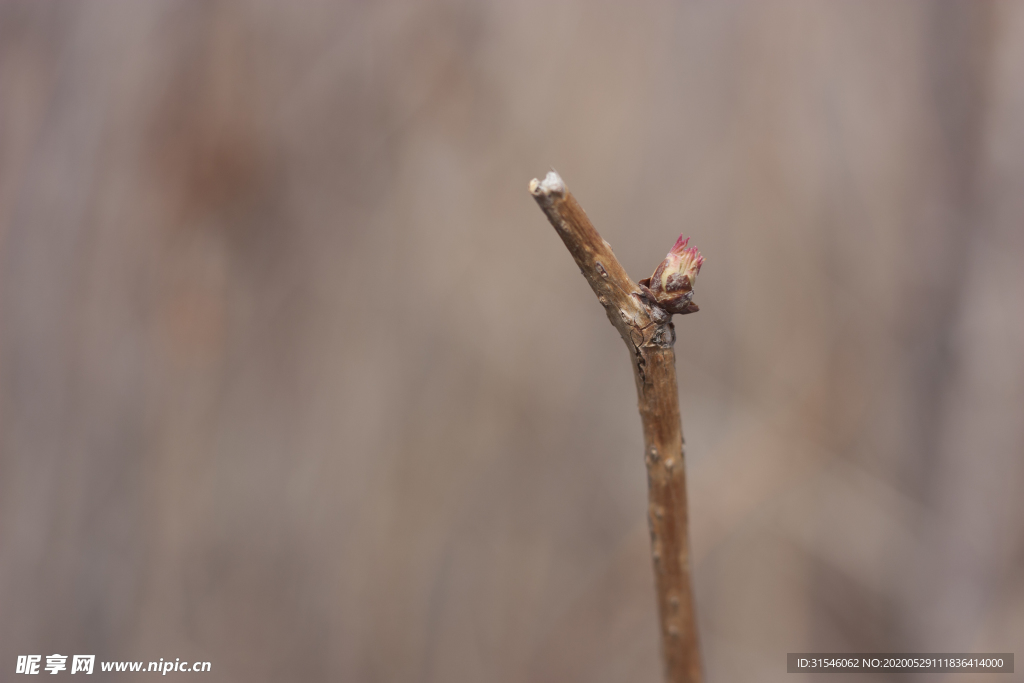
pixel 641 316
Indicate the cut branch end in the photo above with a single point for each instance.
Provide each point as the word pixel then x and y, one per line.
pixel 551 185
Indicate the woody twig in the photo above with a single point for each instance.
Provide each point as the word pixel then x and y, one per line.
pixel 642 313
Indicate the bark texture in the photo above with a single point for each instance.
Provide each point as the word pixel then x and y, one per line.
pixel 649 335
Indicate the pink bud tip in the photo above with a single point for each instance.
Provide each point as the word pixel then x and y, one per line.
pixel 694 257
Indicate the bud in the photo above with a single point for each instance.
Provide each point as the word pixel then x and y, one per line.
pixel 671 286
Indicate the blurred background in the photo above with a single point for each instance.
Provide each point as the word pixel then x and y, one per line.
pixel 296 378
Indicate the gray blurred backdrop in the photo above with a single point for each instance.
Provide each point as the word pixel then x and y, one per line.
pixel 296 378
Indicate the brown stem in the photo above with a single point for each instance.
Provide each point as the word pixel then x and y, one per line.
pixel 649 335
